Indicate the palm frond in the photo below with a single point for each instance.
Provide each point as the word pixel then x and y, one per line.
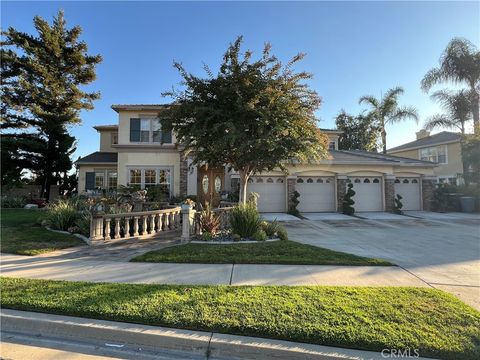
pixel 439 121
pixel 403 113
pixel 370 100
pixel 432 77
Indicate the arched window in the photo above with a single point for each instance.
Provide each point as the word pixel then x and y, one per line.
pixel 300 181
pixel 366 181
pixel 279 181
pixel 376 181
pixel 250 180
pixel 269 180
pixel 405 181
pixel 397 181
pixel 320 181
pixel 327 181
pixel 356 181
pixel 414 181
pixel 259 180
pixel 310 180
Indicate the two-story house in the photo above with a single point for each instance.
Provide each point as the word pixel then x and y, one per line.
pixel 444 148
pixel 137 152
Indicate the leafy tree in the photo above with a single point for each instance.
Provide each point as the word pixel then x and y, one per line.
pixel 460 64
pixel 386 111
pixel 457 107
pixel 359 132
pixel 41 96
pixel 348 201
pixel 253 115
pixel 471 158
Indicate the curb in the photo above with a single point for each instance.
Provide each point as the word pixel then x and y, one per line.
pixel 208 344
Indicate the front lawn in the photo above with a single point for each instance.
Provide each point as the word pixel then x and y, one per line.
pixel 434 322
pixel 23 235
pixel 277 252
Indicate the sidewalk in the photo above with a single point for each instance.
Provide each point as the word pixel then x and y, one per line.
pixel 53 268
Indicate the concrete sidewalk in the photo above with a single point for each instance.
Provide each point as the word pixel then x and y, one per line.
pixel 209 274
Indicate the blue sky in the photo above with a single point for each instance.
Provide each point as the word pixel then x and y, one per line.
pixel 353 48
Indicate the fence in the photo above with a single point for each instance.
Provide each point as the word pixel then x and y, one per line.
pixel 135 224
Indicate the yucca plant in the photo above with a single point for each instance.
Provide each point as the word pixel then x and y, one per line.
pixel 209 221
pixel 245 220
pixel 62 214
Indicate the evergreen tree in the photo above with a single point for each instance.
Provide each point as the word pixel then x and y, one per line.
pixel 41 95
pixel 359 132
pixel 398 205
pixel 348 201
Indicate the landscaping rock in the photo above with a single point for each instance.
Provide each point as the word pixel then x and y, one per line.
pixel 31 206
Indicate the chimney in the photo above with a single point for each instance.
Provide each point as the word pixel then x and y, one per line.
pixel 422 134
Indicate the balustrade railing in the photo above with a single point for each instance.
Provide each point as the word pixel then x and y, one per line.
pixel 135 224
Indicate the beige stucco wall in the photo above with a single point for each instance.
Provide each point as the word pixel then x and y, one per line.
pixel 106 141
pixel 144 158
pixel 83 169
pixel 124 117
pixel 454 160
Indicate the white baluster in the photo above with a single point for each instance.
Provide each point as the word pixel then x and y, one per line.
pixel 167 221
pixel 135 226
pixel 117 228
pixel 144 227
pixel 159 222
pixel 127 227
pixel 152 223
pixel 107 229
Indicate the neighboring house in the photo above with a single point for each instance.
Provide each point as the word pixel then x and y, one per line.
pixel 443 148
pixel 137 152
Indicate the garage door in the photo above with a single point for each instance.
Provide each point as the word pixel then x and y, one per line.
pixel 409 189
pixel 272 192
pixel 317 194
pixel 368 193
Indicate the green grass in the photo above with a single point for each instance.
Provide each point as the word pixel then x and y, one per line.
pixel 434 322
pixel 23 235
pixel 278 252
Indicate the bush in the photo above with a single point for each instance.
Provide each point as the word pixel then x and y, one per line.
pixel 282 233
pixel 62 214
pixel 209 221
pixel 82 223
pixel 271 228
pixel 8 202
pixel 260 235
pixel 294 203
pixel 348 201
pixel 245 220
pixel 398 205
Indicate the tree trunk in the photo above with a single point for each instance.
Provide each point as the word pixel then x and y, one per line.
pixel 244 176
pixel 475 111
pixel 384 137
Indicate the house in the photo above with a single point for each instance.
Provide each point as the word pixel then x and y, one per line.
pixel 443 148
pixel 137 152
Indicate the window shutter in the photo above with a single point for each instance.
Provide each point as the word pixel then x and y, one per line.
pixel 166 137
pixel 134 130
pixel 90 181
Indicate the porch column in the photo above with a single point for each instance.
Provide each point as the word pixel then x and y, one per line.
pixel 291 187
pixel 188 217
pixel 389 191
pixel 341 190
pixel 183 174
pixel 428 188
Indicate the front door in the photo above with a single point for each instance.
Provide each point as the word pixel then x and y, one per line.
pixel 211 182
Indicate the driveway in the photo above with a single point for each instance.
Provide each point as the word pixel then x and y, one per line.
pixel 443 250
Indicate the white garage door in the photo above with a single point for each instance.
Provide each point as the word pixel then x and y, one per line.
pixel 368 193
pixel 409 189
pixel 272 192
pixel 317 194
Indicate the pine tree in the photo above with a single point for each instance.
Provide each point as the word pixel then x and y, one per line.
pixel 348 201
pixel 41 94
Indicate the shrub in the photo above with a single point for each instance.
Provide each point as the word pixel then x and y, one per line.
pixel 282 233
pixel 62 214
pixel 236 237
pixel 245 220
pixel 12 202
pixel 83 223
pixel 271 228
pixel 348 201
pixel 208 220
pixel 260 235
pixel 294 203
pixel 397 206
pixel 206 236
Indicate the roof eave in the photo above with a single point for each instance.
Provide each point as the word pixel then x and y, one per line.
pixel 395 150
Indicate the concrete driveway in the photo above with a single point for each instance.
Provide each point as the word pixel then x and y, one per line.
pixel 443 250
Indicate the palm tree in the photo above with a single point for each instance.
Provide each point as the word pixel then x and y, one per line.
pixel 458 110
pixel 459 63
pixel 387 111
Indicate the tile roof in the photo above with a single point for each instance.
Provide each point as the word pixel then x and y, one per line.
pixel 436 139
pixel 391 158
pixel 99 157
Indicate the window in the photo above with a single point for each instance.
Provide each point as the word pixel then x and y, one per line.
pixel 99 179
pixel 376 181
pixel 146 130
pixel 135 177
pixel 114 138
pixel 150 177
pixel 435 154
pixel 309 181
pixel 299 181
pixel 112 179
pixel 331 145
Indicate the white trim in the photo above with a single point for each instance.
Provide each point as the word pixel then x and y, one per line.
pixel 157 169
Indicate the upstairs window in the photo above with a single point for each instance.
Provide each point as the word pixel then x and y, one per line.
pixel 331 145
pixel 436 154
pixel 114 138
pixel 149 131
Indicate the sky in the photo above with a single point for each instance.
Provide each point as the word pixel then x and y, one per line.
pixel 353 48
